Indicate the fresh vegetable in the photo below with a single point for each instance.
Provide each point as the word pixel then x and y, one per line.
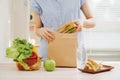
pixel 32 59
pixel 23 52
pixel 28 62
pixel 20 50
pixel 23 65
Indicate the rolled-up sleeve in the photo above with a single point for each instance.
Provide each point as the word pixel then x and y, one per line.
pixel 82 2
pixel 35 6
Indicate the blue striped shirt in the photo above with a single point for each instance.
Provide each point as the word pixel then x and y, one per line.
pixel 55 13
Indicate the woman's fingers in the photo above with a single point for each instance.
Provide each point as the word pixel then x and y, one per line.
pixel 79 24
pixel 43 36
pixel 50 35
pixel 51 32
pixel 79 29
pixel 47 34
pixel 47 37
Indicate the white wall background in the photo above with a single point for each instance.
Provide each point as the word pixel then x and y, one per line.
pixel 107 15
pixel 103 41
pixel 4 26
pixel 19 19
pixel 13 23
pixel 106 34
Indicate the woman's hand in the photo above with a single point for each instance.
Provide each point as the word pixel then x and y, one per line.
pixel 46 34
pixel 79 24
pixel 89 23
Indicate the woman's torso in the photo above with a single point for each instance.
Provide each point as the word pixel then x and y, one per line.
pixel 55 13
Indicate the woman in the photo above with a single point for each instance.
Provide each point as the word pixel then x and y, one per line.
pixel 51 14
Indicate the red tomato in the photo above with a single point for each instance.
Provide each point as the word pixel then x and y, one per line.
pixel 32 59
pixel 20 67
pixel 34 56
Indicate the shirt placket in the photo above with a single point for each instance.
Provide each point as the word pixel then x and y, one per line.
pixel 59 12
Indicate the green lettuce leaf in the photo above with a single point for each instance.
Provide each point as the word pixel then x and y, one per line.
pixel 12 52
pixel 21 49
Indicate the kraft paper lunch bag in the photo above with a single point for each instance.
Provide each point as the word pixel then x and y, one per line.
pixel 63 50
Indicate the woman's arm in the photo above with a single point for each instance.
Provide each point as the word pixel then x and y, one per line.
pixel 42 32
pixel 89 22
pixel 38 22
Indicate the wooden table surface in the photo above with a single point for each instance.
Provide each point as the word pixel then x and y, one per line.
pixel 8 71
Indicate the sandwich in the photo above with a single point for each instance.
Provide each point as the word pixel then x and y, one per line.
pixel 24 54
pixel 68 28
pixel 91 65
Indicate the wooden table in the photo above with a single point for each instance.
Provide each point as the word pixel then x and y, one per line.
pixel 8 71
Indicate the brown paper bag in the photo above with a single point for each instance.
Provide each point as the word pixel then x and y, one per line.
pixel 63 50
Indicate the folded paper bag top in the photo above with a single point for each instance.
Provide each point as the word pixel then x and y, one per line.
pixel 63 50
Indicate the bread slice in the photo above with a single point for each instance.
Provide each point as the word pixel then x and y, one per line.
pixel 91 65
pixel 67 28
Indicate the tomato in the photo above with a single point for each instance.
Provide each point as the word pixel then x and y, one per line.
pixel 34 56
pixel 20 67
pixel 32 59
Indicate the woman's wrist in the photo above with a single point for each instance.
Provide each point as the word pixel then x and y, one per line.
pixel 89 23
pixel 80 22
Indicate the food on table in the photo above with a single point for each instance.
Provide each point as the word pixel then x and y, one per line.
pixel 24 54
pixel 91 65
pixel 49 65
pixel 68 28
